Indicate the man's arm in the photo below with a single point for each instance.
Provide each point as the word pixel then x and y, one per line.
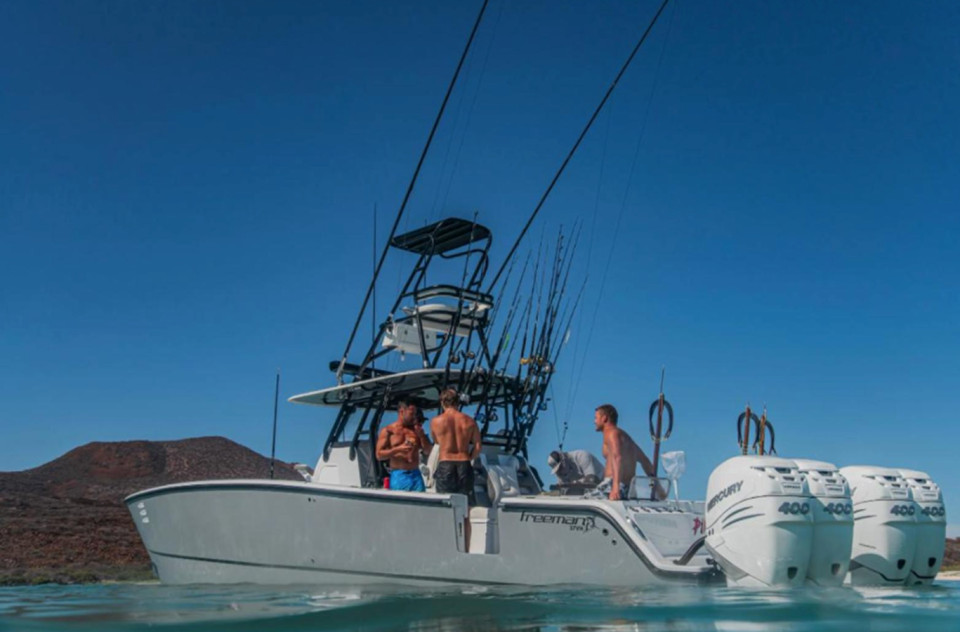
pixel 384 451
pixel 648 469
pixel 476 442
pixel 611 447
pixel 425 444
pixel 644 461
pixel 383 442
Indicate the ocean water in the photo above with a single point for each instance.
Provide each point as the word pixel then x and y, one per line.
pixel 120 607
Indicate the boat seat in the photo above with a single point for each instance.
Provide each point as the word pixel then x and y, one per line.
pixel 428 469
pixel 481 299
pixel 440 318
pixel 502 479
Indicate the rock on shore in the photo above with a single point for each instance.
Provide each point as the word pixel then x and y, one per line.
pixel 65 520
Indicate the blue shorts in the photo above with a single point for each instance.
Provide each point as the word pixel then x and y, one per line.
pixel 407 481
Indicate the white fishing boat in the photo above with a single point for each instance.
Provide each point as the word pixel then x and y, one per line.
pixel 342 526
pixel 766 520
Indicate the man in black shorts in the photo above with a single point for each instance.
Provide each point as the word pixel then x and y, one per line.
pixel 458 438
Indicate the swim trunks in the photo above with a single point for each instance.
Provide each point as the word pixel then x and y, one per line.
pixel 406 481
pixel 455 477
pixel 606 485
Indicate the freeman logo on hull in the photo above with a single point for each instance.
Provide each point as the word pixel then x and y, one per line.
pixel 724 493
pixel 576 523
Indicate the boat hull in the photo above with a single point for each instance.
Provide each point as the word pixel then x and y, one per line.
pixel 286 532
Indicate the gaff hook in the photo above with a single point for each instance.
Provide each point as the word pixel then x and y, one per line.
pixel 743 428
pixel 768 427
pixel 653 409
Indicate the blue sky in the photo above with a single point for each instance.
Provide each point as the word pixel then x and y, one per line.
pixel 187 189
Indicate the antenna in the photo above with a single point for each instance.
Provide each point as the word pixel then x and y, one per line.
pixel 373 311
pixel 273 445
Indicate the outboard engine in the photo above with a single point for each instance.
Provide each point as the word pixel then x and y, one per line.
pixel 885 526
pixel 832 513
pixel 931 527
pixel 759 528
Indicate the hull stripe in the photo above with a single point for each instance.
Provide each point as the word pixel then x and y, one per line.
pixel 316 569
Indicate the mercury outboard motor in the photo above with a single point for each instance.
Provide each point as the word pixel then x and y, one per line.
pixel 931 527
pixel 759 524
pixel 885 526
pixel 832 512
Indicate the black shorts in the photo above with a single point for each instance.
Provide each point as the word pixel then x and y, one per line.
pixel 455 477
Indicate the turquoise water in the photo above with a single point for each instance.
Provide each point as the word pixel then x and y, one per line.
pixel 122 607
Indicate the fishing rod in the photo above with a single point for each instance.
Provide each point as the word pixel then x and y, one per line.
pixel 503 340
pixel 559 278
pixel 539 345
pixel 538 288
pixel 549 356
pixel 526 398
pixel 452 342
pixel 486 410
pixel 660 404
pixel 571 251
pixel 583 134
pixel 273 443
pixel 528 310
pixel 534 360
pixel 569 313
pixel 511 314
pixel 406 197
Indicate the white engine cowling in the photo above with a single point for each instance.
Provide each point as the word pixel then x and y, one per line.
pixel 931 527
pixel 885 526
pixel 759 527
pixel 832 513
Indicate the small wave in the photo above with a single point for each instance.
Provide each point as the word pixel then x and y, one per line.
pixel 122 607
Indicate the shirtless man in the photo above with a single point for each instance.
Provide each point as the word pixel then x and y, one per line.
pixel 458 436
pixel 401 443
pixel 622 455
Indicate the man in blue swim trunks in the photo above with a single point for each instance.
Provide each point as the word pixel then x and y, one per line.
pixel 401 443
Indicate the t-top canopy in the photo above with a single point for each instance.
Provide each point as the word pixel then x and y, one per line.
pixel 445 235
pixel 421 384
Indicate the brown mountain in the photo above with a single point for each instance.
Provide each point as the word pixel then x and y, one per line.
pixel 951 557
pixel 66 521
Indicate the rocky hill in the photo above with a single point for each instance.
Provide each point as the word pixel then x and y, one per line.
pixel 951 558
pixel 66 521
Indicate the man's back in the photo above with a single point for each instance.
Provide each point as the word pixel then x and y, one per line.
pixel 629 454
pixel 454 432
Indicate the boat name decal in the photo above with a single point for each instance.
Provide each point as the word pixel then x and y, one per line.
pixel 724 493
pixel 576 523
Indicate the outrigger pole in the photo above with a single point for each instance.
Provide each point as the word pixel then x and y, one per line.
pixel 573 149
pixel 406 197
